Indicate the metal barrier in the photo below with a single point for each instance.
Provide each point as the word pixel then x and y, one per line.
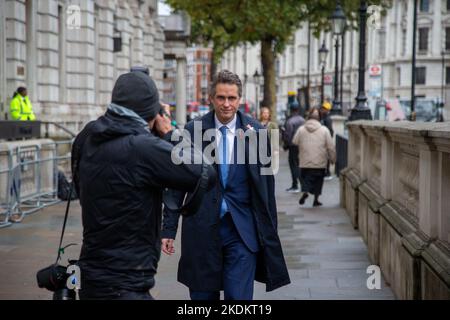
pixel 58 126
pixel 341 153
pixel 31 179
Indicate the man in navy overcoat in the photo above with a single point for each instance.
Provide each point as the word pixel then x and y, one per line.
pixel 232 240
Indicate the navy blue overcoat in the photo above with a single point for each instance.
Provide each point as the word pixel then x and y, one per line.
pixel 200 265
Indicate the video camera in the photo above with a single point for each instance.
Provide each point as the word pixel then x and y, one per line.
pixel 60 280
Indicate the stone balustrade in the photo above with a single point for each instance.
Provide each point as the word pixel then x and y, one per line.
pixel 396 190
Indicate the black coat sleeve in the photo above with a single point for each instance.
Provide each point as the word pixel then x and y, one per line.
pixel 171 218
pixel 158 167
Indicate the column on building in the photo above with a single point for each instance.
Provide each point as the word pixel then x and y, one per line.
pixel 16 48
pixel 125 30
pixel 181 91
pixel 137 50
pixel 104 46
pixel 149 45
pixel 3 93
pixel 81 67
pixel 46 76
pixel 32 24
pixel 158 56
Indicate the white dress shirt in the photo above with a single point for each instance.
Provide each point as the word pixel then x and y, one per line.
pixel 230 135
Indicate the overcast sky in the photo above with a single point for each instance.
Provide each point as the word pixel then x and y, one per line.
pixel 163 9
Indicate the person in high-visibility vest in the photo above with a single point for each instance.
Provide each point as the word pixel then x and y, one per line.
pixel 20 107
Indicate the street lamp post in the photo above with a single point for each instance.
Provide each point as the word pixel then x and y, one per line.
pixel 336 103
pixel 323 53
pixel 361 111
pixel 338 24
pixel 256 77
pixel 308 82
pixel 341 91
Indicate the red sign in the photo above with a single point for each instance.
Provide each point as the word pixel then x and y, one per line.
pixel 327 79
pixel 375 70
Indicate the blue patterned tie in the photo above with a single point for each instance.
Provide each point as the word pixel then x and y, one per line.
pixel 224 167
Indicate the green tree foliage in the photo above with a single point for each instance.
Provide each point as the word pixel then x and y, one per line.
pixel 272 23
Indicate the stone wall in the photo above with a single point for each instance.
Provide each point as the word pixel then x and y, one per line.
pixel 70 73
pixel 396 191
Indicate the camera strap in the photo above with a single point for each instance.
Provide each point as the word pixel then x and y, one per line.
pixel 75 160
pixel 61 250
pixel 192 201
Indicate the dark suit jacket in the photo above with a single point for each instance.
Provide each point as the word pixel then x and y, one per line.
pixel 200 266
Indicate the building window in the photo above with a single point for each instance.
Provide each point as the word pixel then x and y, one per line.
pixel 447 75
pixel 403 42
pixel 448 5
pixel 382 46
pixel 424 6
pixel 447 38
pixel 399 76
pixel 423 39
pixel 421 75
pixel 292 56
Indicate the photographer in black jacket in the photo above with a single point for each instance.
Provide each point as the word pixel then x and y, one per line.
pixel 124 164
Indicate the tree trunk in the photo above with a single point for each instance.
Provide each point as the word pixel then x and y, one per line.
pixel 268 65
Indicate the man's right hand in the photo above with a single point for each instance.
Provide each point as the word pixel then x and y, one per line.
pixel 167 246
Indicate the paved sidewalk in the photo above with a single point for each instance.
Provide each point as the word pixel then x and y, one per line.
pixel 326 257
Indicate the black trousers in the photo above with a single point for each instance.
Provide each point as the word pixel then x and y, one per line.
pixel 293 166
pixel 93 293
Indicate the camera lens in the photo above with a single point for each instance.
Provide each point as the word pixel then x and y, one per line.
pixel 64 294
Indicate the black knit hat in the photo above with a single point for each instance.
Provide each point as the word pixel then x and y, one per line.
pixel 137 91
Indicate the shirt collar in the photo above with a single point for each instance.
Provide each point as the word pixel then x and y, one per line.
pixel 230 125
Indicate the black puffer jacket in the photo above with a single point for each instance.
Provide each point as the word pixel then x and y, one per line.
pixel 122 172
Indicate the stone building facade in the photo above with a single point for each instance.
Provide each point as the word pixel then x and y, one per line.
pixel 198 74
pixel 389 44
pixel 70 59
pixel 245 60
